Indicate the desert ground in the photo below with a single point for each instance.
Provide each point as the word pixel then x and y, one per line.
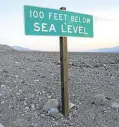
pixel 29 79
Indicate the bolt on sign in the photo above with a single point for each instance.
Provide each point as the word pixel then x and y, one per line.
pixel 52 22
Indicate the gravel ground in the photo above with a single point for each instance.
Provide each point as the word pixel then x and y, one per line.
pixel 29 79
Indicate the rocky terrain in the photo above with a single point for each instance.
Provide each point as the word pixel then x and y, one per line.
pixel 29 79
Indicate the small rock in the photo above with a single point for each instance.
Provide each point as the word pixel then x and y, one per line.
pixel 17 63
pixel 115 105
pixel 104 65
pixel 17 93
pixel 32 107
pixel 42 115
pixel 71 105
pixel 16 76
pixel 1 125
pixel 112 77
pixel 53 110
pixel 20 91
pixel 52 103
pixel 56 123
pixel 99 99
pixel 36 80
pixel 43 92
pixel 25 103
pixel 57 116
pixel 49 97
pixel 40 98
pixel 39 93
pixel 3 86
pixel 26 108
pixel 2 102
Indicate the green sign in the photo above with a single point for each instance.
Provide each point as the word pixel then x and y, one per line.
pixel 51 22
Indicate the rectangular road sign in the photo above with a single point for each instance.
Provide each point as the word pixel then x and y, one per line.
pixel 52 22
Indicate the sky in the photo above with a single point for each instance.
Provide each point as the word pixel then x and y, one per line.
pixel 106 24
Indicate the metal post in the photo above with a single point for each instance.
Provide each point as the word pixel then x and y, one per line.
pixel 64 74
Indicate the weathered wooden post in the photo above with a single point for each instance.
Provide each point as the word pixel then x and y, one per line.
pixel 64 74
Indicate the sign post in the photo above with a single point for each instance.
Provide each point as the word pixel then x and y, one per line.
pixel 64 74
pixel 51 22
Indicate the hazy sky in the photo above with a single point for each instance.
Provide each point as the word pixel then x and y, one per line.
pixel 106 24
